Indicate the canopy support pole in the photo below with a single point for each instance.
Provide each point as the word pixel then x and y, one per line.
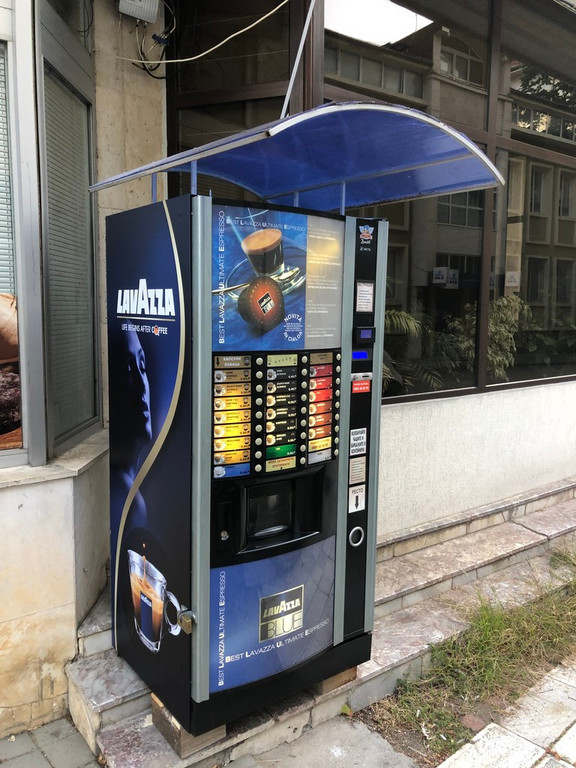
pixel 194 178
pixel 342 198
pixel 297 60
pixel 154 189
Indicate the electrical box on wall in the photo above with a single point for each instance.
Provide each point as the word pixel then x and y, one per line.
pixel 144 10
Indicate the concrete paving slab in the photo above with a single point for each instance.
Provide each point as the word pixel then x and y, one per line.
pixel 565 747
pixel 339 742
pixel 552 762
pixel 544 714
pixel 70 752
pixel 14 746
pixel 495 746
pixel 31 760
pixel 51 732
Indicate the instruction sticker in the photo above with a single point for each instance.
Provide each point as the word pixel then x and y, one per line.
pixel 357 498
pixel 357 473
pixel 358 440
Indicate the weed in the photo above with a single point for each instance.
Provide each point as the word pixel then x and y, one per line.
pixel 490 664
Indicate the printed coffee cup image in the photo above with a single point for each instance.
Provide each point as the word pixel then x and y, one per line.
pixel 150 600
pixel 263 249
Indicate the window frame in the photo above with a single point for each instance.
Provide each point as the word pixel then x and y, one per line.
pixel 62 52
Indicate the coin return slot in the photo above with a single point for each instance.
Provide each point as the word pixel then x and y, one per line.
pixel 356 536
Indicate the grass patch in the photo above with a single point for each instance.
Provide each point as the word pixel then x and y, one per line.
pixel 489 665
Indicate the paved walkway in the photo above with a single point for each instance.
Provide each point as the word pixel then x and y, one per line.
pixel 539 733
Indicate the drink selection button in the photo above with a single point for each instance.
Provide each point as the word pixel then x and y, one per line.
pixel 304 371
pixel 258 441
pixel 259 388
pixel 259 401
pixel 258 455
pixel 258 468
pixel 302 460
pixel 259 361
pixel 259 374
pixel 258 427
pixel 258 414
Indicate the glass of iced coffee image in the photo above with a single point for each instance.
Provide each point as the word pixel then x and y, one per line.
pixel 149 600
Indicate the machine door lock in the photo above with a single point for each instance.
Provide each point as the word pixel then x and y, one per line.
pixel 185 619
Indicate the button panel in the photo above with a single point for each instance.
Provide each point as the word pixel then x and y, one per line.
pixel 273 412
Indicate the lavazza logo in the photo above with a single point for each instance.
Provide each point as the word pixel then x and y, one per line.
pixel 282 613
pixel 145 301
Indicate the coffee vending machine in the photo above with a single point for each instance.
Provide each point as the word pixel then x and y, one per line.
pixel 245 355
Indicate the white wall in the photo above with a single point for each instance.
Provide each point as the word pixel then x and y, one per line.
pixel 442 457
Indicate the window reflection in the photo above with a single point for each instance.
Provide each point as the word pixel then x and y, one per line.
pixel 532 328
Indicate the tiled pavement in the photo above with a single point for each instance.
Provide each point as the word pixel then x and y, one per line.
pixel 56 745
pixel 540 732
pixel 421 597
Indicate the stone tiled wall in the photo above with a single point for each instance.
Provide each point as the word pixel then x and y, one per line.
pixel 52 570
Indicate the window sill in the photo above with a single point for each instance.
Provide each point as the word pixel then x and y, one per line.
pixel 71 464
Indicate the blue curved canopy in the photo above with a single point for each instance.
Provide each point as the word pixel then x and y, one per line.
pixel 338 156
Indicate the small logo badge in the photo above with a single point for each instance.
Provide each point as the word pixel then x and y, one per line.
pixel 366 232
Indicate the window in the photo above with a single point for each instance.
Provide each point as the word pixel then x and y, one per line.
pixel 10 389
pixel 532 295
pixel 464 209
pixel 7 272
pixel 70 272
pixel 459 61
pixel 380 75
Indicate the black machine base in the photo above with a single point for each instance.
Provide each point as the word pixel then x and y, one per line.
pixel 224 707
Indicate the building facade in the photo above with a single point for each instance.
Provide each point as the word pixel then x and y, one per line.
pixel 480 373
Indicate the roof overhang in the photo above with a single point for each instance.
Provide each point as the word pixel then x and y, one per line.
pixel 338 156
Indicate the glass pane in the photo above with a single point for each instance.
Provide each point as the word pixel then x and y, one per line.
pixel 476 72
pixel 260 55
pixel 349 65
pixel 393 79
pixel 524 117
pixel 215 121
pixel 330 61
pixel 564 272
pixel 568 130
pixel 76 14
pixel 430 341
pixel 412 83
pixel 540 121
pixel 70 325
pixel 554 125
pixel 372 72
pixel 532 324
pixel 458 216
pixel 10 390
pixel 446 60
pixel 461 67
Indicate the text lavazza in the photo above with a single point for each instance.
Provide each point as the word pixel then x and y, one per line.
pixel 152 302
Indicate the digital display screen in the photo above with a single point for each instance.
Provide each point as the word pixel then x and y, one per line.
pixel 359 354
